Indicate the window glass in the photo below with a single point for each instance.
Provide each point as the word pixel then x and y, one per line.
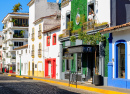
pixel 54 39
pixel 20 43
pixel 48 40
pixel 121 60
pixel 79 62
pixel 67 65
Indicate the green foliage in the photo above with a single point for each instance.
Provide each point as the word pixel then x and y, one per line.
pixel 17 7
pixel 78 6
pixel 70 25
pixel 72 38
pixel 61 35
pixel 22 32
pixel 100 24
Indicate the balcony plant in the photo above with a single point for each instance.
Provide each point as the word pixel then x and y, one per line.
pixel 61 35
pixel 15 36
pixel 11 44
pixel 13 57
pixel 100 25
pixel 22 32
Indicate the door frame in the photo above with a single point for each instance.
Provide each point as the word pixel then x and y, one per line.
pixel 116 58
pixel 53 67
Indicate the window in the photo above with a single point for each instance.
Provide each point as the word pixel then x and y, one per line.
pixel 20 22
pixel 121 60
pixel 21 51
pixel 79 62
pixel 26 50
pixel 17 52
pixel 40 27
pixel 67 65
pixel 18 43
pixel 48 41
pixel 67 19
pixel 54 39
pixel 17 32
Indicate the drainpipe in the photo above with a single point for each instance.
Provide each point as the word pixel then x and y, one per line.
pixel 60 60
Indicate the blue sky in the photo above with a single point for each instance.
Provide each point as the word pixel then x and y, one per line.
pixel 7 6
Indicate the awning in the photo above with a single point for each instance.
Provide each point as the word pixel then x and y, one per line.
pixel 80 49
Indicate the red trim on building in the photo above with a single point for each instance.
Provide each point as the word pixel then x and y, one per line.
pixel 10 71
pixel 48 44
pixel 53 67
pixel 54 39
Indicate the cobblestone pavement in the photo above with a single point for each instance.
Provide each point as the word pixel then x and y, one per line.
pixel 13 85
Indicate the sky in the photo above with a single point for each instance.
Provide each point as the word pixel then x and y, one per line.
pixel 6 7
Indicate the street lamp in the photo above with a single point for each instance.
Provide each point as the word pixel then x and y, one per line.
pixel 20 65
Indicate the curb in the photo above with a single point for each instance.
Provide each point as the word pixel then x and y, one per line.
pixel 74 86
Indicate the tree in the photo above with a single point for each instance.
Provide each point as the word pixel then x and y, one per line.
pixel 17 7
pixel 91 39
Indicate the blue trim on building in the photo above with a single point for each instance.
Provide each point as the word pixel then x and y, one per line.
pixel 117 82
pixel 116 57
pixel 110 47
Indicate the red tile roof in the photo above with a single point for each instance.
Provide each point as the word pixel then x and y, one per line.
pixel 21 47
pixel 115 27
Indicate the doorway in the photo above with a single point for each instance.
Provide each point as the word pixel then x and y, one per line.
pixel 90 61
pixel 32 68
pixel 50 68
pixel 121 60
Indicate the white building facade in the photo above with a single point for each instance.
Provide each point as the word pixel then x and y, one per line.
pixel 15 34
pixel 22 59
pixel 38 10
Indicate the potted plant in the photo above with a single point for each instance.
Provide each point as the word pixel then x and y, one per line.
pixel 22 32
pixel 61 35
pixel 92 40
pixel 10 32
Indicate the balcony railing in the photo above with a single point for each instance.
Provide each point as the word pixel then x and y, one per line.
pixel 92 25
pixel 32 37
pixel 32 53
pixel 39 52
pixel 64 3
pixel 39 34
pixel 21 25
pixel 16 36
pixel 5 48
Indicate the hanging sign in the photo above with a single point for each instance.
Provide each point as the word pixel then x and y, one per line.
pixel 77 18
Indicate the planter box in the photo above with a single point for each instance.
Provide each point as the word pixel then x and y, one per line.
pixel 98 27
pixel 98 80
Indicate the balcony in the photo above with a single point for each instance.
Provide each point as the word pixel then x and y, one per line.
pixel 32 53
pixel 32 37
pixel 64 3
pixel 66 33
pixel 39 53
pixel 16 36
pixel 39 34
pixel 5 48
pixel 92 25
pixel 13 59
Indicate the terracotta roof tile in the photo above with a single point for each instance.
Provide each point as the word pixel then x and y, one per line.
pixel 21 47
pixel 115 27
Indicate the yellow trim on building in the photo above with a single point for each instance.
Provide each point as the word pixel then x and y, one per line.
pixel 33 37
pixel 41 31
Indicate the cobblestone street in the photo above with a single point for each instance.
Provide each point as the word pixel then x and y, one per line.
pixel 13 85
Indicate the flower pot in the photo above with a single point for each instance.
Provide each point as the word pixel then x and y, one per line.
pixel 97 80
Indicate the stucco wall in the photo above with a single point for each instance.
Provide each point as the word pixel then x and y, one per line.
pixel 122 35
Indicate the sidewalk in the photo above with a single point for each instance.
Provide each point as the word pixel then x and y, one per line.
pixel 80 85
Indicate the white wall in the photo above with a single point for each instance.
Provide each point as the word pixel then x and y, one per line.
pixel 52 51
pixel 122 35
pixel 64 11
pixel 24 61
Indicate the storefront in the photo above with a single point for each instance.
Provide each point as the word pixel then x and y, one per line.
pixel 119 56
pixel 79 59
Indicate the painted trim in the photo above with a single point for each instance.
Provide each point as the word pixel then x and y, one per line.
pixel 54 35
pixel 53 67
pixel 34 51
pixel 110 47
pixel 41 50
pixel 41 32
pixel 34 34
pixel 48 37
pixel 116 57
